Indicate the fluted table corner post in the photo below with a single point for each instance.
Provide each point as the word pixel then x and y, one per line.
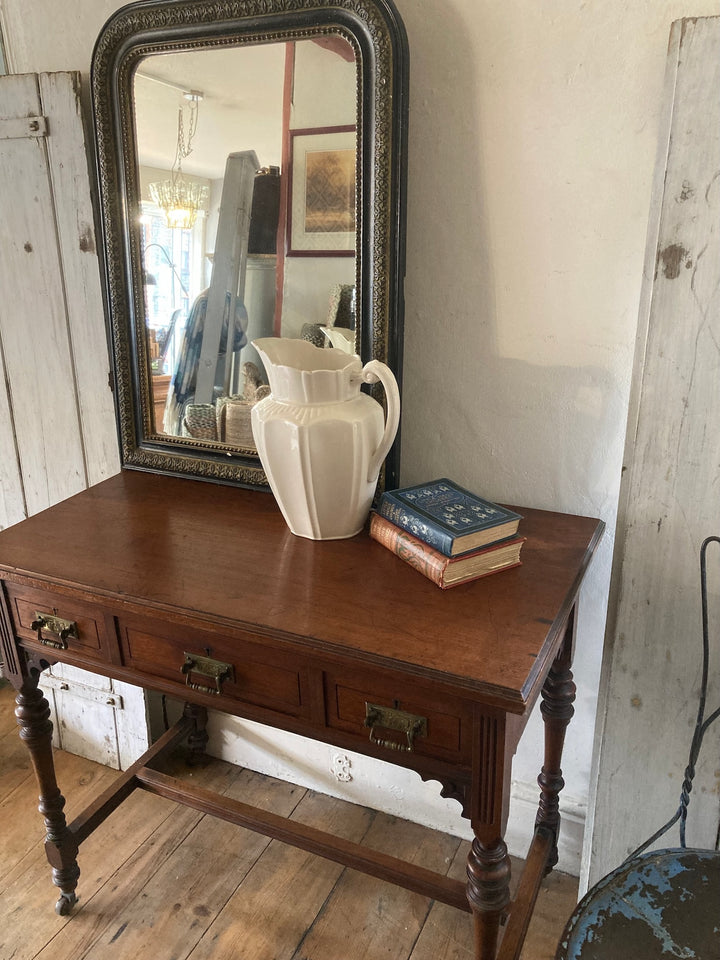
pixel 558 695
pixel 33 717
pixel 488 863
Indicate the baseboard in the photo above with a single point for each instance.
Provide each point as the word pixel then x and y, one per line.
pixel 382 786
pixel 523 807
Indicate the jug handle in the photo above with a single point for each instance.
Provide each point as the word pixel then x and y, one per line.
pixel 372 372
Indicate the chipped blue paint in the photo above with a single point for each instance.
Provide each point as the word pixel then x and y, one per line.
pixel 664 904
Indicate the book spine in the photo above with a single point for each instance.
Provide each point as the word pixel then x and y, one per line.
pixel 420 527
pixel 418 555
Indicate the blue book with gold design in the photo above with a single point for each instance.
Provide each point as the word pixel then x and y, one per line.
pixel 448 517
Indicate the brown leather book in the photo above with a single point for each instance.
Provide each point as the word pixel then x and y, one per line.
pixel 446 571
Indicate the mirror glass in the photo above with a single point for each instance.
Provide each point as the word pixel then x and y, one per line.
pixel 252 185
pixel 214 129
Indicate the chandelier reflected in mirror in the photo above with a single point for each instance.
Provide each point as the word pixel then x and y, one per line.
pixel 180 199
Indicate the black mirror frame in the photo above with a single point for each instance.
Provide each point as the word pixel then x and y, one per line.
pixel 375 30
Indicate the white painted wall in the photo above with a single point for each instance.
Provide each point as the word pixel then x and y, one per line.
pixel 528 201
pixel 532 141
pixel 323 96
pixel 326 102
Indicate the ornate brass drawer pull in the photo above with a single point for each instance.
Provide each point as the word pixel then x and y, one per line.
pixel 391 719
pixel 61 628
pixel 214 670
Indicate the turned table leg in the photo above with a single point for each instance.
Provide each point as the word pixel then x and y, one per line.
pixel 488 891
pixel 558 694
pixel 33 717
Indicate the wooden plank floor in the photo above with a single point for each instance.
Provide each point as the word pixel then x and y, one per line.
pixel 162 882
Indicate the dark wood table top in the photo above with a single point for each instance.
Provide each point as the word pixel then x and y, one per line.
pixel 220 555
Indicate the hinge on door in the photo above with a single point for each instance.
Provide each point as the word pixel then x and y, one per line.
pixel 14 128
pixel 83 690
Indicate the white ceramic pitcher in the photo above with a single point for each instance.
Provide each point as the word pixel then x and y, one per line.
pixel 321 440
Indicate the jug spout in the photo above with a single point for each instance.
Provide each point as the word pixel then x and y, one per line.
pixel 300 372
pixel 301 354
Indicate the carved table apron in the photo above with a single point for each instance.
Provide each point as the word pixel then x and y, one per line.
pixel 200 591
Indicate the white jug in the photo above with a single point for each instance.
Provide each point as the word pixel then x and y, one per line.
pixel 321 440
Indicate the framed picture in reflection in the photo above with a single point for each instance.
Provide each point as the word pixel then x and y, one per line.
pixel 322 194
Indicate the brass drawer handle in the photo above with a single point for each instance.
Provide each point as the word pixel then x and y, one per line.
pixel 392 719
pixel 214 670
pixel 61 628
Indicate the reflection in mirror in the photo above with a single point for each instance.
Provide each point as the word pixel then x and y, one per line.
pixel 247 161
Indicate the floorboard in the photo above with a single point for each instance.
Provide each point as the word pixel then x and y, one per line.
pixel 162 882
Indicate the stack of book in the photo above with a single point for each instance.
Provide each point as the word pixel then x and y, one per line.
pixel 448 534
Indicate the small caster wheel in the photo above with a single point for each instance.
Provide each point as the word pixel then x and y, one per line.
pixel 65 904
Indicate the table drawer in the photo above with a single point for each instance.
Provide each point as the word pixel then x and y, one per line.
pixel 244 668
pixel 442 726
pixel 64 623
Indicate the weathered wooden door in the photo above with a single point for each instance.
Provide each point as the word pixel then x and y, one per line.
pixel 57 428
pixel 670 495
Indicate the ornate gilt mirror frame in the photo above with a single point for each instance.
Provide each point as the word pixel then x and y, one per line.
pixel 157 27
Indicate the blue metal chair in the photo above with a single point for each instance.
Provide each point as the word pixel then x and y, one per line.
pixel 660 904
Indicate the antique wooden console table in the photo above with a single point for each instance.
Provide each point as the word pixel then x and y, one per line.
pixel 201 591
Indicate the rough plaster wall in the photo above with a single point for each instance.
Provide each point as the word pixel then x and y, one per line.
pixel 532 140
pixel 532 143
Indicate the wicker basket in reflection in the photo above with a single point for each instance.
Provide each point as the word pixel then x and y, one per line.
pixel 233 422
pixel 200 421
